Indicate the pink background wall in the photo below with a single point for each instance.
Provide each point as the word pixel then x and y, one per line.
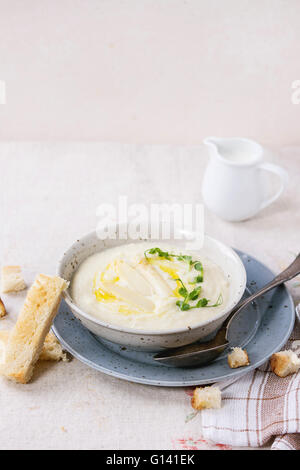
pixel 168 71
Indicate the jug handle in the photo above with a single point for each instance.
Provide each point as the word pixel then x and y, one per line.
pixel 284 177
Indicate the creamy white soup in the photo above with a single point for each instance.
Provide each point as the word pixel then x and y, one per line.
pixel 148 286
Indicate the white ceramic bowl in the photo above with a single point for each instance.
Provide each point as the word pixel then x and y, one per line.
pixel 222 255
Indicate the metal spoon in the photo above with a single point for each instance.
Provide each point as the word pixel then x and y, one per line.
pixel 202 353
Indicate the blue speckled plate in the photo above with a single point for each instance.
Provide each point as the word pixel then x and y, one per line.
pixel 262 328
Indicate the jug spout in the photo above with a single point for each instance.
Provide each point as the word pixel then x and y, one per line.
pixel 213 145
pixel 211 141
pixel 235 150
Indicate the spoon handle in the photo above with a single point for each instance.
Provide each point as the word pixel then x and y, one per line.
pixel 289 273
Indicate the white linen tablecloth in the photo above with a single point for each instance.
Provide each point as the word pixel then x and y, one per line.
pixel 49 195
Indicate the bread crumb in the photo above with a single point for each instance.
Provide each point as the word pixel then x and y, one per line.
pixel 206 397
pixel 284 363
pixel 12 279
pixel 52 350
pixel 2 309
pixel 238 358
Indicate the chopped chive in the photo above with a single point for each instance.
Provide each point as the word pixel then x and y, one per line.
pixel 183 292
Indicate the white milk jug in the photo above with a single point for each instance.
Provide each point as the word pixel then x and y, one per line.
pixel 233 185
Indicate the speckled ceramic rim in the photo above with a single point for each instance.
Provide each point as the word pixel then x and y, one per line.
pixel 224 313
pixel 233 374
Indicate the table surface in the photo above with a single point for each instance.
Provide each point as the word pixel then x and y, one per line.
pixel 49 196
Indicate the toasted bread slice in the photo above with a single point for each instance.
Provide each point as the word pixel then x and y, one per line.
pixel 238 358
pixel 2 309
pixel 284 363
pixel 52 350
pixel 206 397
pixel 12 280
pixel 27 338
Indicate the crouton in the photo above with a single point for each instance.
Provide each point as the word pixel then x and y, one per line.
pixel 238 358
pixel 284 363
pixel 206 397
pixel 2 309
pixel 12 280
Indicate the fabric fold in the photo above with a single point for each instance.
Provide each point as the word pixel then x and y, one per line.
pixel 257 408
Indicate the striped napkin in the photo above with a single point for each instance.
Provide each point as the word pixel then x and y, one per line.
pixel 258 409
